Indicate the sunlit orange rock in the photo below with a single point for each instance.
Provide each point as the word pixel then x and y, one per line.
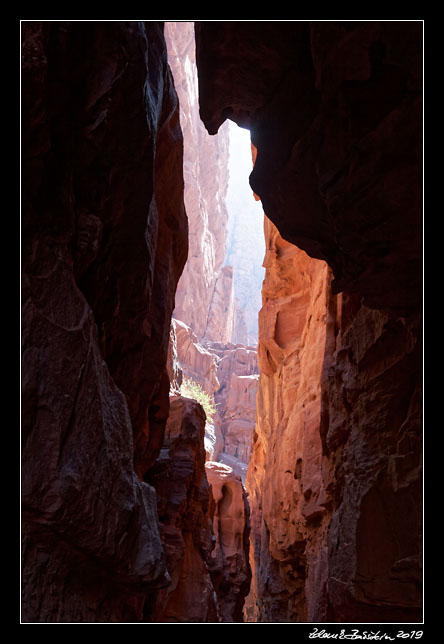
pixel 229 565
pixel 285 481
pixel 336 379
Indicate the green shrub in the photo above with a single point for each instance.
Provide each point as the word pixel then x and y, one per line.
pixel 192 389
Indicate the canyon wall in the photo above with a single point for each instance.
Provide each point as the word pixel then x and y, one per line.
pixel 120 523
pixel 125 517
pixel 229 375
pixel 204 298
pixel 335 112
pixel 204 521
pixel 206 316
pixel 229 564
pixel 289 479
pixel 238 375
pixel 179 478
pixel 202 504
pixel 104 240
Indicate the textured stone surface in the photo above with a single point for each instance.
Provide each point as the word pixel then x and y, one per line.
pixel 183 496
pixel 191 360
pixel 229 373
pixel 196 360
pixel 287 479
pixel 174 367
pixel 204 517
pixel 221 314
pixel 335 476
pixel 206 183
pixel 372 432
pixel 104 237
pixel 229 565
pixel 237 370
pixel 335 114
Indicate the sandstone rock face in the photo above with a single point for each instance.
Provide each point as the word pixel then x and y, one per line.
pixel 189 359
pixel 196 361
pixel 206 181
pixel 236 402
pixel 104 242
pixel 229 565
pixel 288 477
pixel 335 114
pixel 229 373
pixel 372 432
pixel 335 477
pixel 204 517
pixel 183 497
pixel 174 367
pixel 238 415
pixel 221 314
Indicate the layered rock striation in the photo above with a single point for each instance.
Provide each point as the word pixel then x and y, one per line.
pixel 104 236
pixel 335 112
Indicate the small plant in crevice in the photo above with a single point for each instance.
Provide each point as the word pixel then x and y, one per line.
pixel 192 389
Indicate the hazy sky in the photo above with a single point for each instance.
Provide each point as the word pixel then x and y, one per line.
pixel 245 238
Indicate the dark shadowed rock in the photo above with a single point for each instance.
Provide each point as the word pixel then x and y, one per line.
pixel 104 236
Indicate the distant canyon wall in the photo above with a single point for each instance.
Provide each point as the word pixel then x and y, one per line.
pixel 218 295
pixel 205 296
pixel 203 507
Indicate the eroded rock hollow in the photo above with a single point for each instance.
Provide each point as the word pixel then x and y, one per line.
pixel 137 502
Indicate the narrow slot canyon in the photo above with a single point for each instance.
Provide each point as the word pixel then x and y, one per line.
pixel 221 247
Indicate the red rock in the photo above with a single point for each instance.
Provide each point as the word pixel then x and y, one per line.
pixel 204 517
pixel 197 362
pixel 183 497
pixel 236 403
pixel 206 182
pixel 175 372
pixel 229 564
pixel 337 391
pixel 286 481
pixel 221 314
pixel 229 374
pixel 104 242
pixel 373 404
pixel 335 114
